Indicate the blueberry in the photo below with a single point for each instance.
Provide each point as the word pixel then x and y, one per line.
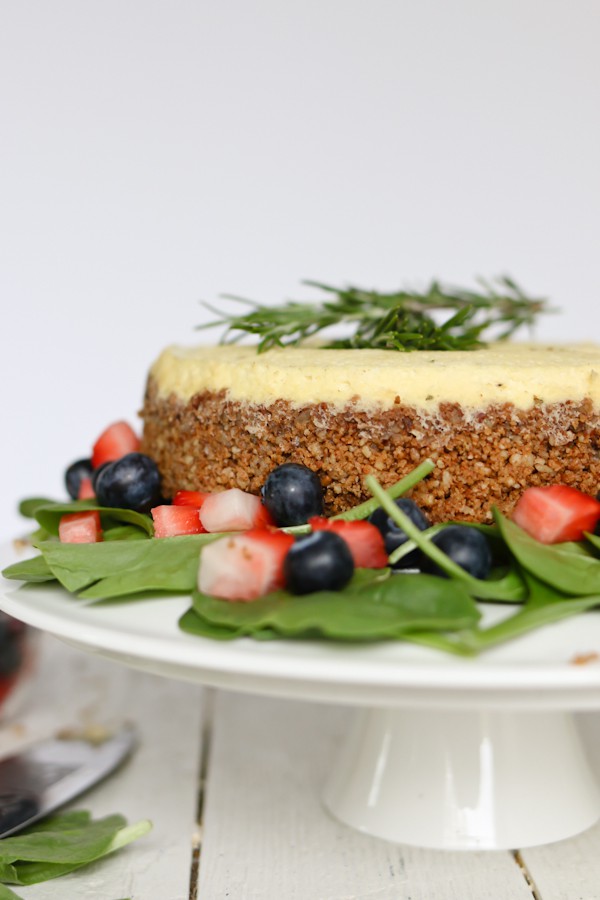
pixel 320 561
pixel 81 468
pixel 466 546
pixel 132 482
pixel 96 474
pixel 292 493
pixel 394 536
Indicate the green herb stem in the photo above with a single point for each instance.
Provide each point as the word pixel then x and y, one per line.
pixel 408 546
pixel 506 589
pixel 415 534
pixel 526 620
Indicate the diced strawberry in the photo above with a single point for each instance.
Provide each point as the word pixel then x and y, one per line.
pixel 364 539
pixel 86 491
pixel 556 513
pixel 189 498
pixel 117 440
pixel 263 519
pixel 173 520
pixel 234 510
pixel 80 527
pixel 244 566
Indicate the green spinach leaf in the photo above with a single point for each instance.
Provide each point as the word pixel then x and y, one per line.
pixel 544 606
pixel 568 567
pixel 29 505
pixel 63 843
pixel 371 607
pixel 192 623
pixel 124 533
pixel 48 515
pixel 35 569
pixel 7 894
pixel 119 568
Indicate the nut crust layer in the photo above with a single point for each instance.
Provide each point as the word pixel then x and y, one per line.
pixel 483 457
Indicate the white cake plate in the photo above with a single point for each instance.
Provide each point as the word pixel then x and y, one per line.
pixel 446 752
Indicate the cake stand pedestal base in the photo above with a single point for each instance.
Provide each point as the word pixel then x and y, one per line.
pixel 472 780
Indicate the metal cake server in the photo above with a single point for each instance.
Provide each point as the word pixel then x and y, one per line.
pixel 50 773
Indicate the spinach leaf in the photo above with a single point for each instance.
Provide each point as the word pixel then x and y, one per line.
pixel 544 606
pixel 64 821
pixel 49 515
pixel 7 894
pixel 74 841
pixel 594 540
pixel 370 608
pixel 124 533
pixel 118 568
pixel 35 569
pixel 567 567
pixel 29 505
pixel 192 623
pixel 62 844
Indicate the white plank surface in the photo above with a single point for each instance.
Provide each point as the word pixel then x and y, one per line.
pixel 267 837
pixel 264 834
pixel 159 782
pixel 570 870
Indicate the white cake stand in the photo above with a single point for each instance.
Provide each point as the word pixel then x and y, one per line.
pixel 445 752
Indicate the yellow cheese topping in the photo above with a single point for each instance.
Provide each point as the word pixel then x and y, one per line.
pixel 521 374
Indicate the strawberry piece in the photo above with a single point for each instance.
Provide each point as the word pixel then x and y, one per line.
pixel 114 442
pixel 189 498
pixel 80 528
pixel 244 566
pixel 364 539
pixel 556 513
pixel 170 521
pixel 86 491
pixel 234 510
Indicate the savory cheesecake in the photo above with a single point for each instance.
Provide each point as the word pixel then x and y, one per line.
pixel 495 420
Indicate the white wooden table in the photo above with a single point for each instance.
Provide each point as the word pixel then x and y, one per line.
pixel 232 784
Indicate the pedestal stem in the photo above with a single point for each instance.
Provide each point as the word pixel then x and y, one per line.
pixel 464 780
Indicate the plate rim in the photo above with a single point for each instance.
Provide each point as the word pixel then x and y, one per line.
pixel 336 668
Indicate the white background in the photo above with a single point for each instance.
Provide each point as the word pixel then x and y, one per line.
pixel 153 154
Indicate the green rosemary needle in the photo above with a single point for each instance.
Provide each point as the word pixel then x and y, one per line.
pixel 439 318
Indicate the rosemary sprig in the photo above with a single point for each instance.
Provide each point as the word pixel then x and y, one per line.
pixel 402 320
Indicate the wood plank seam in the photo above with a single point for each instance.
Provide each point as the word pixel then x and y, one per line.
pixel 206 739
pixel 527 875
